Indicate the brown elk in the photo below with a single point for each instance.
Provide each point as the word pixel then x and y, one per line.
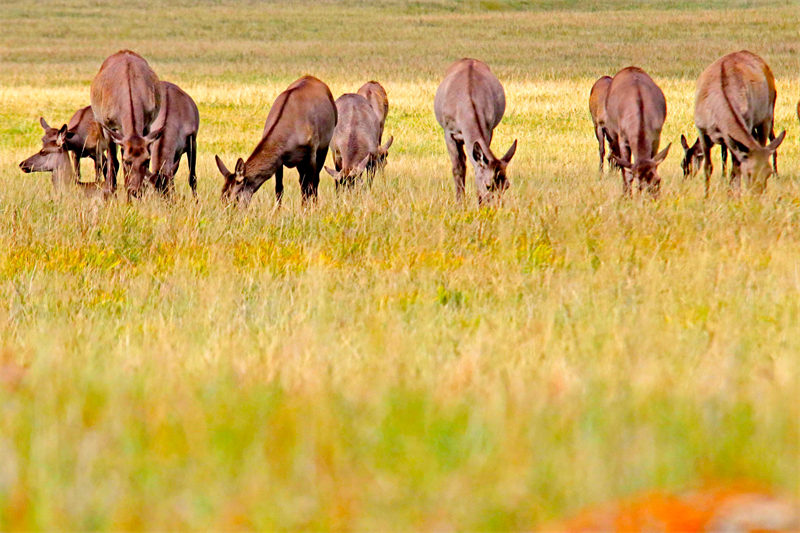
pixel 356 141
pixel 179 121
pixel 693 158
pixel 126 99
pixel 597 108
pixel 84 138
pixel 297 133
pixel 734 107
pixel 635 114
pixel 376 96
pixel 469 104
pixel 54 157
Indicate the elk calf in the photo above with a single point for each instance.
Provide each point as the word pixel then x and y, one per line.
pixel 635 113
pixel 297 133
pixel 178 120
pixel 469 104
pixel 126 99
pixel 734 107
pixel 84 138
pixel 356 141
pixel 54 157
pixel 597 108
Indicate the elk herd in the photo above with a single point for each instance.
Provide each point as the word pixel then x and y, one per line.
pixel 154 123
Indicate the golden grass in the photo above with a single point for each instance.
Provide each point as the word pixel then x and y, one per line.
pixel 388 359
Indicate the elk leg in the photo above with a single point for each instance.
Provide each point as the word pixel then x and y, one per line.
pixel 736 174
pixel 627 174
pixel 459 161
pixel 724 155
pixel 771 138
pixel 708 166
pixel 111 169
pixel 279 185
pixel 192 157
pixel 76 164
pixel 601 142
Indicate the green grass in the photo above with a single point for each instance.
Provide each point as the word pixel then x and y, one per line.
pixel 389 359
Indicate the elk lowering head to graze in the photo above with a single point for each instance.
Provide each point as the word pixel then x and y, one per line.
pixel 84 138
pixel 469 104
pixel 54 158
pixel 376 96
pixel 635 113
pixel 126 99
pixel 356 141
pixel 597 108
pixel 297 133
pixel 178 120
pixel 735 107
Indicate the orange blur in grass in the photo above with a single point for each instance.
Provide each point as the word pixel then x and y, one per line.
pixel 715 509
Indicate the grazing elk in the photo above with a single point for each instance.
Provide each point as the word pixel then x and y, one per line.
pixel 597 108
pixel 469 104
pixel 356 141
pixel 734 107
pixel 126 99
pixel 54 157
pixel 297 133
pixel 178 120
pixel 635 113
pixel 693 158
pixel 376 96
pixel 84 138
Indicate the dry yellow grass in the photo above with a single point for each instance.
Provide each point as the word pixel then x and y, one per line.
pixel 390 360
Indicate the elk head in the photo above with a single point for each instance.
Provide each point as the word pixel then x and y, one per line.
pixel 235 186
pixel 645 170
pixel 754 163
pixel 692 157
pixel 135 156
pixel 53 157
pixel 490 172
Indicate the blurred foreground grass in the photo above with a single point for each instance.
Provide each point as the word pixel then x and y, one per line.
pixel 390 360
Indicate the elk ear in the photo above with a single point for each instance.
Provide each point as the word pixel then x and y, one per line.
pixel 683 142
pixel 776 142
pixel 477 154
pixel 696 148
pixel 511 151
pixel 362 165
pixel 61 136
pixel 621 163
pixel 115 137
pixel 154 135
pixel 43 122
pixel 662 155
pixel 385 148
pixel 221 166
pixel 239 171
pixel 332 172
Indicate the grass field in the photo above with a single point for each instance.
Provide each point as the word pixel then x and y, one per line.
pixel 390 360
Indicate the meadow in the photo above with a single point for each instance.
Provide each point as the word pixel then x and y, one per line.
pixel 389 359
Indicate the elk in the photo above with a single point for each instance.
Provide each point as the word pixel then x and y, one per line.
pixel 179 121
pixel 84 138
pixel 734 107
pixel 356 141
pixel 376 96
pixel 469 104
pixel 597 108
pixel 635 113
pixel 297 133
pixel 54 157
pixel 126 99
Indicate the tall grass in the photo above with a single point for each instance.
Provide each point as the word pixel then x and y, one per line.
pixel 389 359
